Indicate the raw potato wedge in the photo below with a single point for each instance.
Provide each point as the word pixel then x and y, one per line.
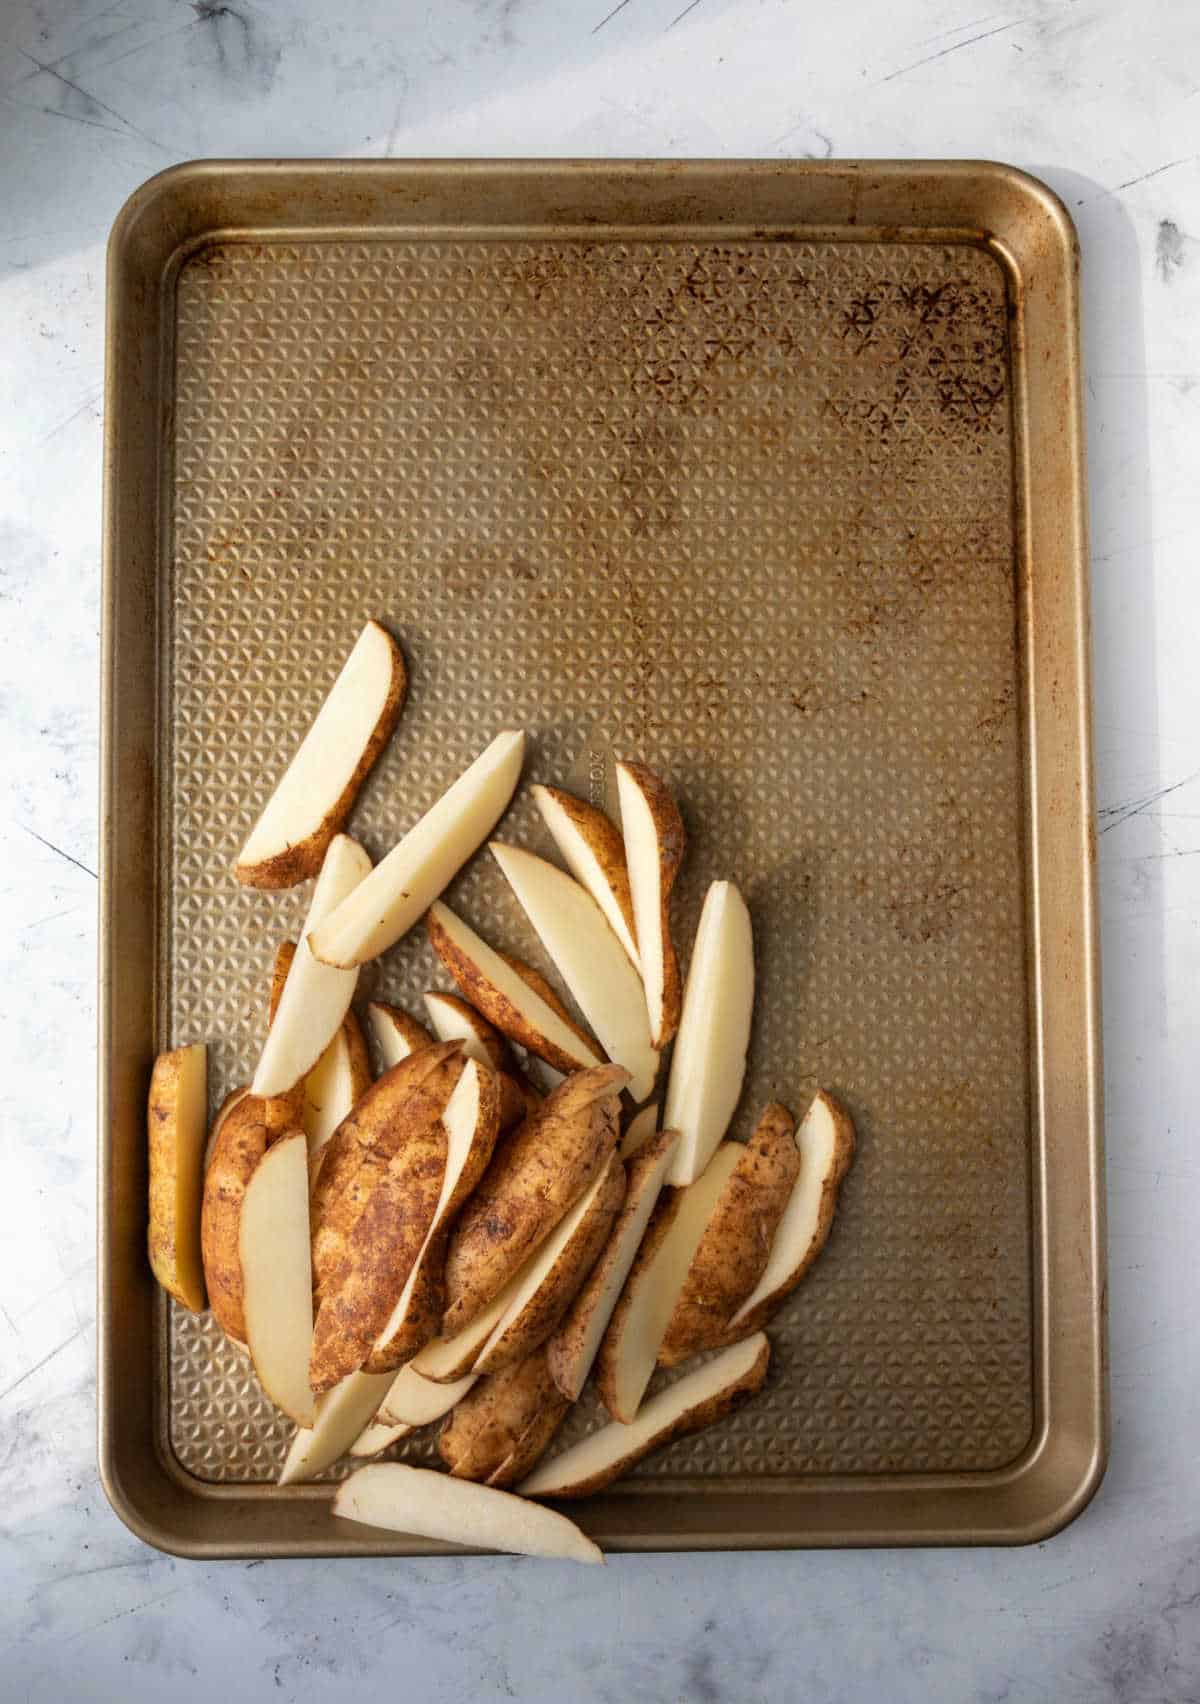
pixel 396 1034
pixel 176 1118
pixel 826 1144
pixel 505 996
pixel 454 1019
pixel 654 846
pixel 595 855
pixel 406 883
pixel 378 1438
pixel 732 1253
pixel 498 1433
pixel 556 1272
pixel 273 1248
pixel 697 1400
pixel 312 798
pixel 631 1344
pixel 336 1083
pixel 641 1127
pixel 447 1360
pixel 432 1505
pixel 471 1121
pixel 223 1111
pixel 416 1401
pixel 340 1419
pixel 572 1349
pixel 361 1148
pixel 285 955
pixel 285 1112
pixel 709 1062
pixel 240 1144
pixel 315 999
pixel 536 1174
pixel 592 962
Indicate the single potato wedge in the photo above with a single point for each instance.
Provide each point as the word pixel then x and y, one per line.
pixel 417 1401
pixel 315 999
pixel 406 883
pixel 536 1174
pixel 631 1344
pixel 240 1143
pixel 273 1248
pixel 573 1347
pixel 341 1416
pixel 731 1255
pixel 313 797
pixel 378 1438
pixel 641 1127
pixel 455 1019
pixel 594 852
pixel 654 846
pixel 176 1116
pixel 593 964
pixel 709 1062
pixel 826 1144
pixel 447 1360
pixel 506 997
pixel 556 1273
pixel 433 1505
pixel 396 1034
pixel 697 1400
pixel 498 1433
pixel 285 957
pixel 223 1111
pixel 471 1121
pixel 338 1080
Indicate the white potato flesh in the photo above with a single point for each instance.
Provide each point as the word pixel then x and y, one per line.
pixel 416 1401
pixel 590 959
pixel 315 997
pixel 377 1438
pixel 395 1043
pixel 639 1130
pixel 274 1249
pixel 709 1062
pixel 433 1505
pixel 328 1093
pixel 585 866
pixel 449 1358
pixel 341 1416
pixel 403 886
pixel 451 1023
pixel 642 856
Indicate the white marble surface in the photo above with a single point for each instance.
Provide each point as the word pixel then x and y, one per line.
pixel 1100 97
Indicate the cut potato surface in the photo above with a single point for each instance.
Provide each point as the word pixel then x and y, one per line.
pixel 341 1416
pixel 694 1401
pixel 238 1146
pixel 417 1401
pixel 396 1034
pixel 340 1077
pixel 639 1130
pixel 315 998
pixel 449 1359
pixel 455 1019
pixel 433 1505
pixel 595 855
pixel 592 962
pixel 313 796
pixel 176 1119
pixel 654 846
pixel 630 1348
pixel 403 886
pixel 277 1275
pixel 574 1345
pixel 377 1438
pixel 496 988
pixel 709 1063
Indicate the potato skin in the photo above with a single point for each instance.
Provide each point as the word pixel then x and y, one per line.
pixel 606 1364
pixel 361 1074
pixel 500 1429
pixel 732 1253
pixel 285 952
pixel 536 1174
pixel 604 839
pixel 303 859
pixel 414 1033
pixel 241 1141
pixel 672 843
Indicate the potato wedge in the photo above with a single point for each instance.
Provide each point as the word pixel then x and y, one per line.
pixel 396 1034
pixel 273 1248
pixel 641 1127
pixel 315 998
pixel 453 1019
pixel 450 1358
pixel 697 1400
pixel 406 883
pixel 341 1416
pixel 285 957
pixel 433 1505
pixel 627 1355
pixel 336 1083
pixel 378 1438
pixel 654 845
pixel 417 1401
pixel 313 797
pixel 594 852
pixel 176 1116
pixel 572 1349
pixel 536 1174
pixel 556 1272
pixel 506 997
pixel 471 1121
pixel 592 962
pixel 732 1254
pixel 223 1111
pixel 499 1432
pixel 709 1062
pixel 240 1143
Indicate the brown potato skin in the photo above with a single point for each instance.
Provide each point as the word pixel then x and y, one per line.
pixel 694 1420
pixel 503 1425
pixel 534 979
pixel 545 1309
pixel 285 952
pixel 498 1009
pixel 296 863
pixel 843 1159
pixel 416 1035
pixel 608 1354
pixel 536 1174
pixel 222 1113
pixel 732 1253
pixel 672 843
pixel 604 838
pixel 241 1141
pixel 361 1074
pixel 359 1151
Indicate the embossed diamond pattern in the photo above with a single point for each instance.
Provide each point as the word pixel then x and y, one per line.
pixel 746 508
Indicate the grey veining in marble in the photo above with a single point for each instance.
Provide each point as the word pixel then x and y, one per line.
pixel 1102 99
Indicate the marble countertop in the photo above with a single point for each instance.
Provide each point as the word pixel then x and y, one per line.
pixel 1103 101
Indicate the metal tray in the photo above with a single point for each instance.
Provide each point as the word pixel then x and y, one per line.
pixel 772 475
